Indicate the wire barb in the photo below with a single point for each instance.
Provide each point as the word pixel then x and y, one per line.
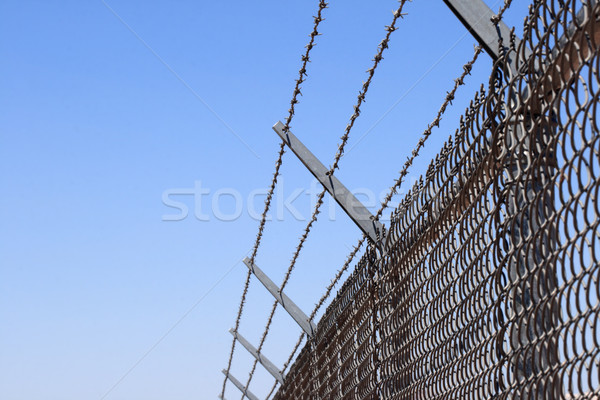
pixel 498 17
pixel 436 121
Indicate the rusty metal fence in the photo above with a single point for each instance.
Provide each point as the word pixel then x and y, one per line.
pixel 488 284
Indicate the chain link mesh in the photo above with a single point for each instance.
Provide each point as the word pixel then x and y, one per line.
pixel 320 198
pixel 489 288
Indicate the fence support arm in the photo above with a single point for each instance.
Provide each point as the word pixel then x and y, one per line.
pixel 269 366
pixel 476 16
pixel 239 385
pixel 295 312
pixel 349 203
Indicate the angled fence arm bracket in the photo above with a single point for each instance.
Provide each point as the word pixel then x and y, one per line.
pixel 269 366
pixel 295 312
pixel 241 387
pixel 476 16
pixel 349 203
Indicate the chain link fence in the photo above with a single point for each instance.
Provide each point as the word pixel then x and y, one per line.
pixel 488 284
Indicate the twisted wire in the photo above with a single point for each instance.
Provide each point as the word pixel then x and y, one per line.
pixel 287 363
pixel 393 190
pixel 318 306
pixel 301 78
pixel 344 139
pixel 491 290
pixel 337 277
pixel 498 17
pixel 425 135
pixel 467 67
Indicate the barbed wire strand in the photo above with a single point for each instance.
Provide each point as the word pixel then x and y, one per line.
pixel 301 78
pixel 467 67
pixel 317 307
pixel 344 139
pixel 436 123
pixel 287 363
pixel 393 190
pixel 449 97
pixel 498 17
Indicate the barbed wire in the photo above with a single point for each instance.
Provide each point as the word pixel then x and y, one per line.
pixel 449 97
pixel 425 135
pixel 335 375
pixel 287 363
pixel 301 78
pixel 344 139
pixel 337 277
pixel 317 307
pixel 498 17
pixel 393 190
pixel 467 67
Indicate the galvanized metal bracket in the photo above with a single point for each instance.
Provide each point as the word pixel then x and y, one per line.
pixel 295 312
pixel 239 385
pixel 269 366
pixel 349 203
pixel 476 16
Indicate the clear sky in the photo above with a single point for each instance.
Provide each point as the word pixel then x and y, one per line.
pixel 104 114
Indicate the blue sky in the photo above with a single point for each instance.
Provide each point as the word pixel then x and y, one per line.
pixel 97 123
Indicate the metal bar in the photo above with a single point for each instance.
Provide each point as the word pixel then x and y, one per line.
pixel 476 16
pixel 572 48
pixel 580 18
pixel 269 366
pixel 349 203
pixel 239 385
pixel 295 312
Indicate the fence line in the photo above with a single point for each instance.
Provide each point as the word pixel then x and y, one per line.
pixel 447 101
pixel 488 281
pixel 490 284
